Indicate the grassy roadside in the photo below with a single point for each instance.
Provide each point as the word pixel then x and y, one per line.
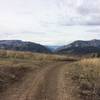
pixel 85 76
pixel 33 56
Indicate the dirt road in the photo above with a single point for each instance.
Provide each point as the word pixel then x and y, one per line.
pixel 47 83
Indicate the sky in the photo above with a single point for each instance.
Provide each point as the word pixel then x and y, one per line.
pixel 50 22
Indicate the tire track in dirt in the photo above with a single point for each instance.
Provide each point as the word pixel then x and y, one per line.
pixel 19 88
pixel 35 92
pixel 53 86
pixel 47 84
pixel 27 89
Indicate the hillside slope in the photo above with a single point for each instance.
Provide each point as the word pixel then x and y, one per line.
pixel 80 47
pixel 19 45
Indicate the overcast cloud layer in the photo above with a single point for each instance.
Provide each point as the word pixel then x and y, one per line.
pixel 50 21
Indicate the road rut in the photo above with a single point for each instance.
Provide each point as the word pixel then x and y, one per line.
pixel 45 84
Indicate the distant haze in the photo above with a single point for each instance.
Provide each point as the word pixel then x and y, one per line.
pixel 50 22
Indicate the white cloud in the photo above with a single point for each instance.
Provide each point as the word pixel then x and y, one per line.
pixel 49 21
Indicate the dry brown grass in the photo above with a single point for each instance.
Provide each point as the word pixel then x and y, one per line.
pixel 85 75
pixel 13 71
pixel 15 65
pixel 33 56
pixel 11 74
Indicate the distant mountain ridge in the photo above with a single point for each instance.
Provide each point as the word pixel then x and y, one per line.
pixel 80 47
pixel 19 45
pixel 77 47
pixel 52 48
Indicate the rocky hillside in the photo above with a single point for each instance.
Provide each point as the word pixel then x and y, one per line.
pixel 19 45
pixel 80 47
